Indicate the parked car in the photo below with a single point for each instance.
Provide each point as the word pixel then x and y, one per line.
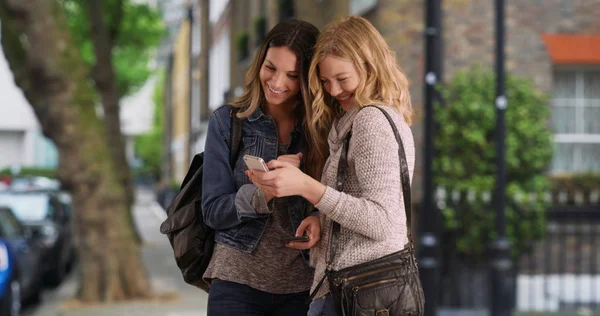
pixel 26 278
pixel 49 217
pixel 33 183
pixel 10 300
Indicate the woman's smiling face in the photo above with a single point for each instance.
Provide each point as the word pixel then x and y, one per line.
pixel 279 76
pixel 340 79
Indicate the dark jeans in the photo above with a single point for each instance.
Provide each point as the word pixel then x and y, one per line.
pixel 234 299
pixel 322 307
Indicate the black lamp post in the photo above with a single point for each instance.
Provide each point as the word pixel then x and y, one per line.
pixel 429 245
pixel 501 264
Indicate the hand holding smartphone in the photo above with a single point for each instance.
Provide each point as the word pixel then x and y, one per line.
pixel 255 163
pixel 296 238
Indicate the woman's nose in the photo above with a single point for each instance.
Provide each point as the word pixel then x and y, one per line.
pixel 277 81
pixel 334 90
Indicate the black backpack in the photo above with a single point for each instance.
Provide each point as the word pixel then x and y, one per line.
pixel 191 239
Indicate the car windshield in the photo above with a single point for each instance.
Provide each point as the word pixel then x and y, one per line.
pixel 9 226
pixel 27 207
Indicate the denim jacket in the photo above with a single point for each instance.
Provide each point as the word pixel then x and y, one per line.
pixel 227 193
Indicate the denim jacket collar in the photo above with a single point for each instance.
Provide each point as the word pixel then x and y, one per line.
pixel 258 113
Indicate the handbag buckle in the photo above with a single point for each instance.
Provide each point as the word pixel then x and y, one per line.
pixel 382 312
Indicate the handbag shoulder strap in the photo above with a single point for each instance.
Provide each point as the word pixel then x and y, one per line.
pixel 236 136
pixel 404 179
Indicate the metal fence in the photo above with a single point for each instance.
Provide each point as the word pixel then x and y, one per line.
pixel 562 271
pixel 557 273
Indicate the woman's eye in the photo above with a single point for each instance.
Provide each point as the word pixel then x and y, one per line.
pixel 293 76
pixel 270 68
pixel 342 80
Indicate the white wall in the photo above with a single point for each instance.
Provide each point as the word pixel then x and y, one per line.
pixel 17 122
pixel 15 111
pixel 11 146
pixel 219 78
pixel 216 8
pixel 137 110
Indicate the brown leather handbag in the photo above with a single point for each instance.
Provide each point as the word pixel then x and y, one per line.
pixel 386 286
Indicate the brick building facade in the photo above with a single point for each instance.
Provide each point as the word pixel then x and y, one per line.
pixel 555 43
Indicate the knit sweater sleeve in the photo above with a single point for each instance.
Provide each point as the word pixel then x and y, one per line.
pixel 376 209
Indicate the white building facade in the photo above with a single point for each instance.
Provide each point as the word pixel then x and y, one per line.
pixel 21 139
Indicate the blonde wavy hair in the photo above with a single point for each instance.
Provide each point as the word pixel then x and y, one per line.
pixel 381 81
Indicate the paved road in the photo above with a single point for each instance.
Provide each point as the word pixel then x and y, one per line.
pixel 159 261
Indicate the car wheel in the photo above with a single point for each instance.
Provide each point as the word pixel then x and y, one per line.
pixel 14 298
pixel 56 277
pixel 71 263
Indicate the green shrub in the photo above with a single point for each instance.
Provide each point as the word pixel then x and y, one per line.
pixel 465 160
pixel 31 171
pixel 241 40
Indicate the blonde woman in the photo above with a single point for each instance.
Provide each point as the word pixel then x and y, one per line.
pixel 251 271
pixel 353 68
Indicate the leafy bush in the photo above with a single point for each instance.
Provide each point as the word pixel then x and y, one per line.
pixel 241 40
pixel 465 160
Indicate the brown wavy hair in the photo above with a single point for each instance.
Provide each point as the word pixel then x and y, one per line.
pixel 381 81
pixel 300 37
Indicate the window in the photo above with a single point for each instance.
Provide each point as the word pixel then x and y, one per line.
pixel 360 7
pixel 286 9
pixel 9 226
pixel 28 207
pixel 576 120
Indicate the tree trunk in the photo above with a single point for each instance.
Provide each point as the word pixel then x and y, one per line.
pixel 106 85
pixel 48 68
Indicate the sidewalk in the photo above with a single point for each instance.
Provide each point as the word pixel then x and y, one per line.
pixel 158 257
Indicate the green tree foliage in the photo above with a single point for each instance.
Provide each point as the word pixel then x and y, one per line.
pixel 465 160
pixel 149 146
pixel 135 29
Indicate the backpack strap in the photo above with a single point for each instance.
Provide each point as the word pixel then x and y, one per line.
pixel 236 136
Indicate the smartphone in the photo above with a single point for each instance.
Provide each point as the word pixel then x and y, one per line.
pixel 296 238
pixel 255 163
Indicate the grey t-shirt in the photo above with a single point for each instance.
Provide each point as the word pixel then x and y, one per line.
pixel 271 267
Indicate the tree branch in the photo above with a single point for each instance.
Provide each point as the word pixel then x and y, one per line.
pixel 116 22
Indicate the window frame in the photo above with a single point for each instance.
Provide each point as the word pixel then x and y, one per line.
pixel 362 10
pixel 579 104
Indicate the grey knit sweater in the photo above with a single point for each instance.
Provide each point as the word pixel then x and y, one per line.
pixel 370 207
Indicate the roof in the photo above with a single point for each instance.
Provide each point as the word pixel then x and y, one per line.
pixel 573 48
